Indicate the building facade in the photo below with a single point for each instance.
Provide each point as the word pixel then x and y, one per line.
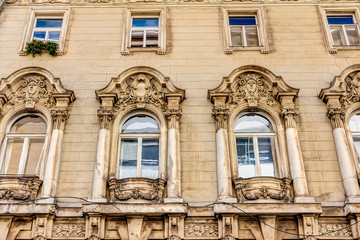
pixel 179 119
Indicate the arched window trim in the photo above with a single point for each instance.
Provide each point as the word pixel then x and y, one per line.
pixel 9 124
pixel 137 135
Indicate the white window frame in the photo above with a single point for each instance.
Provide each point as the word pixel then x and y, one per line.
pixel 243 28
pixel 144 29
pixel 324 12
pixel 343 27
pixel 258 13
pixel 139 137
pixel 35 14
pixel 160 13
pixel 4 163
pixel 47 30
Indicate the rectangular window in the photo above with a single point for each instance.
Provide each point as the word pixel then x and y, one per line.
pixel 243 31
pixel 144 31
pixel 46 25
pixel 344 30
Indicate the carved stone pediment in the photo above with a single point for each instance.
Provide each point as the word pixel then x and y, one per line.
pixel 251 85
pixel 19 188
pixel 249 189
pixel 140 87
pixel 32 86
pixel 136 189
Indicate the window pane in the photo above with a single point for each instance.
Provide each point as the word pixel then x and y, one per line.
pixel 54 36
pixel 145 22
pixel 242 21
pixel 152 38
pixel 150 158
pixel 253 123
pixel 353 35
pixel 337 35
pixel 236 36
pixel 357 147
pixel 13 154
pixel 266 145
pixel 245 157
pixel 29 124
pixel 49 23
pixel 35 149
pixel 355 123
pixel 39 35
pixel 340 19
pixel 128 158
pixel 137 38
pixel 252 36
pixel 140 124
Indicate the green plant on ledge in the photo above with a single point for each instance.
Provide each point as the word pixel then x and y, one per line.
pixel 37 47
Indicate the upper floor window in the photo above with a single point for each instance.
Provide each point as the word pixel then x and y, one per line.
pixel 344 30
pixel 144 30
pixel 244 31
pixel 23 147
pixel 341 27
pixel 47 29
pixel 255 146
pixel 139 148
pixel 46 25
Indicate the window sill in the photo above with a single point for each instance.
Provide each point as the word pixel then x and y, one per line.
pixel 19 187
pixel 158 50
pixel 136 189
pixel 262 49
pixel 334 49
pixel 263 189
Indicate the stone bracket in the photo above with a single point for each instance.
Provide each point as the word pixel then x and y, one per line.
pixel 95 225
pixel 229 226
pixel 42 226
pixel 175 227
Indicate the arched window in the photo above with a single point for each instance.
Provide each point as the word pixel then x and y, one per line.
pixel 255 146
pixel 23 147
pixel 139 148
pixel 354 124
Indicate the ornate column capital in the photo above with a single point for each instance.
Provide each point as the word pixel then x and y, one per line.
pixel 336 115
pixel 59 117
pixel 106 116
pixel 221 115
pixel 289 114
pixel 173 116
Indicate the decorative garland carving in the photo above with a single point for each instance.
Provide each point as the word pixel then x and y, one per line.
pixel 141 90
pixel 289 115
pixel 136 188
pixel 252 189
pixel 106 116
pixel 252 88
pixel 19 188
pixel 336 116
pixel 31 91
pixel 201 230
pixel 335 229
pixel 68 230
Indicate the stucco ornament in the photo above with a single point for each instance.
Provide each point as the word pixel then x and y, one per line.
pixel 201 230
pixel 68 230
pixel 39 237
pixel 93 237
pixel 228 237
pixel 174 237
pixel 335 230
pixel 352 89
pixel 19 188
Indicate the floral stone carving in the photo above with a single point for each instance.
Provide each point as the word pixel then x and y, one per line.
pixel 263 188
pixel 136 188
pixel 335 229
pixel 68 230
pixel 201 230
pixel 19 188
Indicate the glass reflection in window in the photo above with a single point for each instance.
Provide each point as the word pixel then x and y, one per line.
pixel 254 137
pixel 354 124
pixel 139 148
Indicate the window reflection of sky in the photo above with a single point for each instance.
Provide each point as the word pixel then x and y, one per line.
pixel 355 123
pixel 140 124
pixel 253 123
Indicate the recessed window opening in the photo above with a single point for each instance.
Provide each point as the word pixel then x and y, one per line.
pixel 144 31
pixel 244 31
pixel 344 30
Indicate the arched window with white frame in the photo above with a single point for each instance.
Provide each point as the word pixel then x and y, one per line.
pixel 255 146
pixel 22 151
pixel 139 147
pixel 354 124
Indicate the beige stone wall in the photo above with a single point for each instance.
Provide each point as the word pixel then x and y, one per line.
pixel 196 62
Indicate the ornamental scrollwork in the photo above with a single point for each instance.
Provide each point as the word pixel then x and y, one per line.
pixel 336 115
pixel 141 89
pixel 59 117
pixel 133 188
pixel 252 88
pixel 173 116
pixel 352 89
pixel 335 229
pixel 22 188
pixel 201 230
pixel 106 116
pixel 68 230
pixel 221 116
pixel 289 114
pixel 31 91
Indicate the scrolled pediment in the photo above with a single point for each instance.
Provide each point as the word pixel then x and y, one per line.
pixel 32 86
